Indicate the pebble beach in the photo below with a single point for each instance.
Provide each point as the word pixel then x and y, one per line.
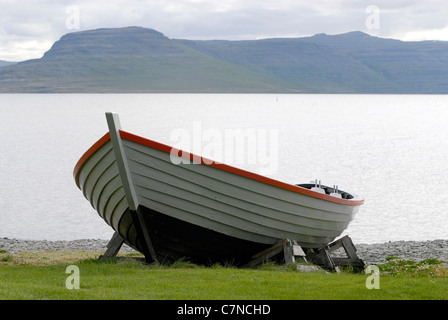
pixel 16 245
pixel 370 253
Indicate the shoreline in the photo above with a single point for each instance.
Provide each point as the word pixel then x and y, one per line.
pixel 370 253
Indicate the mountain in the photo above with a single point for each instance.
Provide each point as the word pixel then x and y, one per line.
pixel 136 59
pixel 5 63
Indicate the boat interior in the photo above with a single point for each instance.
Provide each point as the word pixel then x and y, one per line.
pixel 327 190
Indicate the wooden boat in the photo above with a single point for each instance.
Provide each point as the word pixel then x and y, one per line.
pixel 199 209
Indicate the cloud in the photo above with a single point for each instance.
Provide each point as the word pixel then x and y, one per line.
pixel 28 27
pixel 427 34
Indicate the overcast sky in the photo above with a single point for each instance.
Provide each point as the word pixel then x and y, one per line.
pixel 28 28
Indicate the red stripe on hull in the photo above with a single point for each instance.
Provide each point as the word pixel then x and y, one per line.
pixel 192 157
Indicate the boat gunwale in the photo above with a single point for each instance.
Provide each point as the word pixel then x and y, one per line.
pixel 357 201
pixel 90 152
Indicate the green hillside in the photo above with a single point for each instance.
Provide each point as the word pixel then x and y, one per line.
pixel 127 60
pixel 136 59
pixel 5 63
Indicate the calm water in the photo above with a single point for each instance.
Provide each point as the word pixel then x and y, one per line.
pixel 390 149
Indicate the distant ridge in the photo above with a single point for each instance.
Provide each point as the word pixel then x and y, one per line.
pixel 136 59
pixel 5 63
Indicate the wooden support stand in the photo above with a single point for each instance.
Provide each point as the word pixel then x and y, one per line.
pixel 323 256
pixel 113 247
pixel 290 250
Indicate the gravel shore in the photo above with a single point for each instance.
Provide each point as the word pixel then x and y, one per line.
pixel 407 250
pixel 16 245
pixel 370 253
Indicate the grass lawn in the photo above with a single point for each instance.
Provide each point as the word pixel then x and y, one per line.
pixel 42 275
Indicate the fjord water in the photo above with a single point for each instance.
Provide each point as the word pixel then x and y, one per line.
pixel 390 149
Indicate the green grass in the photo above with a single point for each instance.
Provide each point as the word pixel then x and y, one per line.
pixel 130 279
pixel 426 268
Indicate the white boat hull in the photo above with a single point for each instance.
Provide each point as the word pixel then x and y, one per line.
pixel 218 198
